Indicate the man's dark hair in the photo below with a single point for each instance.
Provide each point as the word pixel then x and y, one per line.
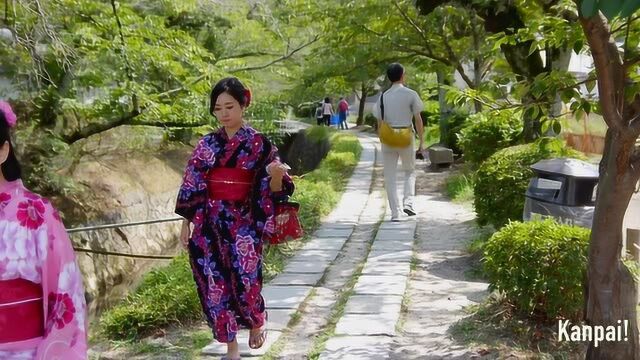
pixel 10 168
pixel 394 72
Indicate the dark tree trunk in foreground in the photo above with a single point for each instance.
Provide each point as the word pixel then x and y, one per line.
pixel 611 291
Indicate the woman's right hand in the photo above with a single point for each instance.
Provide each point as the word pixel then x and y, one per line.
pixel 185 233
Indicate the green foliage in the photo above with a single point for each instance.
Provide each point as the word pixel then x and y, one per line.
pixel 371 120
pixel 168 295
pixel 540 267
pixel 455 123
pixel 610 8
pixel 502 179
pixel 485 133
pixel 460 188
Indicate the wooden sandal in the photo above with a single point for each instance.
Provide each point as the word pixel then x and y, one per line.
pixel 262 335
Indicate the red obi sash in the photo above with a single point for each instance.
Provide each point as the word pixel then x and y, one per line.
pixel 21 312
pixel 229 183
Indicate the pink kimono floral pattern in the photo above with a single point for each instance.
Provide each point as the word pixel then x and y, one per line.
pixel 34 246
pixel 226 245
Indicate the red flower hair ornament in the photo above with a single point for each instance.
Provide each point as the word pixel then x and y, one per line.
pixel 247 97
pixel 8 113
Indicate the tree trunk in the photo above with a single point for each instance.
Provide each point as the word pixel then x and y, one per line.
pixel 611 290
pixel 445 111
pixel 363 100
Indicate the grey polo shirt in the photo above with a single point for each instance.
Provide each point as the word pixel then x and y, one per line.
pixel 400 105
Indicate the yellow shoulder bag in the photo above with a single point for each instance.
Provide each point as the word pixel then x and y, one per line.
pixel 393 137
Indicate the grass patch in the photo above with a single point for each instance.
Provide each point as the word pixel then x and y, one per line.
pixel 460 187
pixel 495 326
pixel 168 296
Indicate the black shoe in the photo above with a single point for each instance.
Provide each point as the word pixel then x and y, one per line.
pixel 409 211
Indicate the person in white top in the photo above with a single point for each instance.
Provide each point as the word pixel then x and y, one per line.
pixel 327 111
pixel 401 105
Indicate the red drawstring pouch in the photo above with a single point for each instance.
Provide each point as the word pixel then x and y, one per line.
pixel 286 223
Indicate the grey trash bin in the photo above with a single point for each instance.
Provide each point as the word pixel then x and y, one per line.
pixel 564 189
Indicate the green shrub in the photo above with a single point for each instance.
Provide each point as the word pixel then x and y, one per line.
pixel 306 110
pixel 455 123
pixel 371 120
pixel 168 295
pixel 540 267
pixel 502 180
pixel 485 133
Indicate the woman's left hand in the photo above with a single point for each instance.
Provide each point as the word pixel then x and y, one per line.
pixel 276 169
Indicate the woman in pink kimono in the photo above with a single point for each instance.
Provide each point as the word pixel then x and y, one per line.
pixel 42 306
pixel 230 185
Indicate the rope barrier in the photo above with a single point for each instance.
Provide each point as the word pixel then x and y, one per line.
pixel 112 226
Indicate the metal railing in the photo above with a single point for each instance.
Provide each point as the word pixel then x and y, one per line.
pixel 120 225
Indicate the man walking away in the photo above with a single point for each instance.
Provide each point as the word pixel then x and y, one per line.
pixel 396 107
pixel 343 112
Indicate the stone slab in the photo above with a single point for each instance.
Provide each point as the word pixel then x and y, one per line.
pixel 285 297
pixel 306 267
pixel 386 268
pixel 357 348
pixel 374 304
pixel 400 234
pixel 391 255
pixel 332 232
pixel 324 244
pixel 398 244
pixel 315 255
pixel 407 225
pixel 381 285
pixel 279 318
pixel 296 279
pixel 220 349
pixel 367 324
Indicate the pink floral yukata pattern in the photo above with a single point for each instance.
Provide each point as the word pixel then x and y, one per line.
pixel 225 248
pixel 34 246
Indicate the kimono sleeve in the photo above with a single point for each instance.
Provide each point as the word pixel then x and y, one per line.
pixel 192 195
pixel 65 335
pixel 271 154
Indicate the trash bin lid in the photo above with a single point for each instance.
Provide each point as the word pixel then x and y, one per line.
pixel 567 166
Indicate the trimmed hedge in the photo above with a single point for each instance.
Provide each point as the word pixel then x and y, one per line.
pixel 540 267
pixel 485 133
pixel 501 181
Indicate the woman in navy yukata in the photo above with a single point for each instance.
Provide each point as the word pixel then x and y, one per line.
pixel 231 183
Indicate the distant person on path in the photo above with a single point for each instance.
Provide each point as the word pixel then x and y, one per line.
pixel 327 111
pixel 343 112
pixel 42 304
pixel 397 107
pixel 230 186
pixel 319 117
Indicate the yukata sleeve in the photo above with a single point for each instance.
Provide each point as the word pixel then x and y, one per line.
pixel 65 309
pixel 270 152
pixel 192 195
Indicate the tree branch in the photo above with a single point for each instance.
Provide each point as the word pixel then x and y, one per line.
pixel 282 58
pixel 609 68
pixel 245 55
pixel 96 128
